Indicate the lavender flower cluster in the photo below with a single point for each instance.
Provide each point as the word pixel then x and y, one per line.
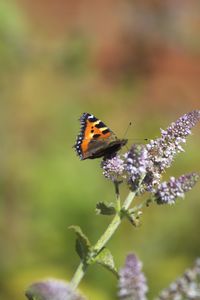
pixel 53 289
pixel 133 285
pixel 136 164
pixel 144 164
pixel 185 287
pixel 132 282
pixel 114 168
pixel 163 150
pixel 167 192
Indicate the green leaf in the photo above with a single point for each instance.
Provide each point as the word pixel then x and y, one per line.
pixel 105 259
pixel 105 208
pixel 83 245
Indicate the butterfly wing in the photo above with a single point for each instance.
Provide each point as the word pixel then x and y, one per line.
pixel 105 149
pixel 96 139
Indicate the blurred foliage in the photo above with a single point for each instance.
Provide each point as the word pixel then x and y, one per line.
pixel 12 37
pixel 74 56
pixel 46 82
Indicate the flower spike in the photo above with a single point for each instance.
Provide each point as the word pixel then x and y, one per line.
pixel 167 192
pixel 132 282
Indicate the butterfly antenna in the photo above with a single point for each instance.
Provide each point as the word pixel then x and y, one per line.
pixel 126 131
pixel 140 140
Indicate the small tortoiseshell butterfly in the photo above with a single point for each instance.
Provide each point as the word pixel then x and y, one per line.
pixel 96 139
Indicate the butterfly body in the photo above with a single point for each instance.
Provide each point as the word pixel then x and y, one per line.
pixel 96 139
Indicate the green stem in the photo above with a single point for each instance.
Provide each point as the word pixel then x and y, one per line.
pixel 129 200
pixel 118 201
pixel 112 227
pixel 78 275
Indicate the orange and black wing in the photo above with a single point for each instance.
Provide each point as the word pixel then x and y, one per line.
pixel 96 139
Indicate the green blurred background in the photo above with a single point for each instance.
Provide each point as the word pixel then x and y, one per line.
pixel 124 61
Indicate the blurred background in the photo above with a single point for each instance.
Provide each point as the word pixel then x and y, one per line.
pixel 124 61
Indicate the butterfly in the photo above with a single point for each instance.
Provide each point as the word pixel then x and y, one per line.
pixel 96 139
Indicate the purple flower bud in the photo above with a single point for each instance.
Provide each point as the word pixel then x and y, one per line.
pixel 136 164
pixel 52 289
pixel 113 168
pixel 132 282
pixel 162 151
pixel 167 192
pixel 185 287
pixel 149 161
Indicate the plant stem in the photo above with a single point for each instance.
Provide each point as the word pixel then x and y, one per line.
pixel 78 275
pixel 129 200
pixel 107 234
pixel 118 201
pixel 112 227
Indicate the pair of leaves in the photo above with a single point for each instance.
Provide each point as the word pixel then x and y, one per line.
pixel 88 256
